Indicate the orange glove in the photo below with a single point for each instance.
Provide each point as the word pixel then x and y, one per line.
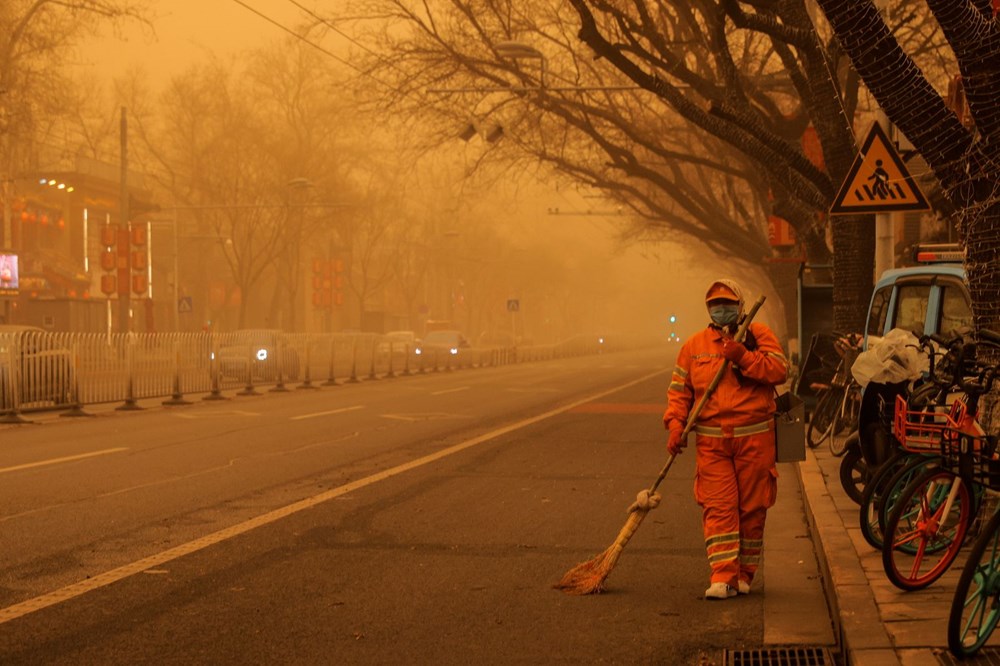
pixel 733 351
pixel 676 442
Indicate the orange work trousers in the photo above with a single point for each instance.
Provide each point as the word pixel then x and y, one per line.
pixel 735 484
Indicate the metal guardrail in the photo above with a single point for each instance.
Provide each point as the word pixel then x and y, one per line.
pixel 42 370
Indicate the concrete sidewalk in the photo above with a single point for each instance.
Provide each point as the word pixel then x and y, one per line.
pixel 879 624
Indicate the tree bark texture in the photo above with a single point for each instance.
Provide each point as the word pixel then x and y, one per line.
pixel 965 163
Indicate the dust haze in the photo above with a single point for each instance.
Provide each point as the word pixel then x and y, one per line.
pixel 281 188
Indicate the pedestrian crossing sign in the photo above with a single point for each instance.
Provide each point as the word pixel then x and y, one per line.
pixel 878 181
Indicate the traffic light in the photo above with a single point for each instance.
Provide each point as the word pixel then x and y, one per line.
pixel 673 337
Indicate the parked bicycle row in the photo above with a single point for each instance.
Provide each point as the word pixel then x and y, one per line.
pixel 44 370
pixel 923 470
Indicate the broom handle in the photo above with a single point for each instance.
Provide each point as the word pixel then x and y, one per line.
pixel 693 416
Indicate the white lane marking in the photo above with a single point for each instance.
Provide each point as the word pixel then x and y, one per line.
pixel 208 415
pixel 332 411
pixel 56 461
pixel 540 389
pixel 453 390
pixel 154 561
pixel 425 416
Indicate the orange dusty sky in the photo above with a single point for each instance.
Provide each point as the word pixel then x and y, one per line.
pixel 188 30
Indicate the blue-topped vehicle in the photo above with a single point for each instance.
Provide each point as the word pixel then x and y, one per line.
pixel 929 298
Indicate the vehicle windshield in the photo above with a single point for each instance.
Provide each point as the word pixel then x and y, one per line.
pixel 442 338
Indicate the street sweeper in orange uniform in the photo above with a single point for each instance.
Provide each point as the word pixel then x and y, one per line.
pixel 735 479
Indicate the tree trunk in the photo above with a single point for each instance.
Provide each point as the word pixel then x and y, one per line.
pixel 853 258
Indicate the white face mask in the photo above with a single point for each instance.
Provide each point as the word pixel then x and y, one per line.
pixel 723 315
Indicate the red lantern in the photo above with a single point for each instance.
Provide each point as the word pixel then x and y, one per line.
pixel 25 216
pixel 61 223
pixel 108 284
pixel 109 234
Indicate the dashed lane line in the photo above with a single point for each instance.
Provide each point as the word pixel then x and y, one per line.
pixel 56 461
pixel 451 390
pixel 155 561
pixel 327 413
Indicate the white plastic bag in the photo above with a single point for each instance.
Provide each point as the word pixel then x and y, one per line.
pixel 894 358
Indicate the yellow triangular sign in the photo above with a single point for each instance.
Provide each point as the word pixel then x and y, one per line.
pixel 878 181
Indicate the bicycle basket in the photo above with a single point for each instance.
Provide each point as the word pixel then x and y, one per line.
pixel 842 375
pixel 973 456
pixel 921 431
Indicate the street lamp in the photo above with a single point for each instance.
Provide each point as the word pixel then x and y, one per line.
pixel 520 51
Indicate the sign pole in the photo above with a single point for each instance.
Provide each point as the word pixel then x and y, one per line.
pixel 124 254
pixel 885 256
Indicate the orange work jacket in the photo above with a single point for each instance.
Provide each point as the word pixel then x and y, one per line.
pixel 734 403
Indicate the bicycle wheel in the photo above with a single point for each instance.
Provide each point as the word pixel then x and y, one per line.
pixel 885 492
pixel 926 528
pixel 975 608
pixel 821 420
pixel 846 417
pixel 853 473
pixel 871 525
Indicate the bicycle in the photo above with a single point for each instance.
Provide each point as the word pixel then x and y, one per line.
pixel 838 403
pixel 917 422
pixel 933 514
pixel 975 608
pixel 846 417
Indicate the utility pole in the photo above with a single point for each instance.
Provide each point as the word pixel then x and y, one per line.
pixel 124 255
pixel 8 234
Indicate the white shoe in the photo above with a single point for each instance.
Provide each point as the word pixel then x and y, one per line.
pixel 744 587
pixel 719 591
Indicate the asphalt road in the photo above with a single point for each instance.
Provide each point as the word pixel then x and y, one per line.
pixel 413 520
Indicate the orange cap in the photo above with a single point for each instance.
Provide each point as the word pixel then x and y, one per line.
pixel 720 290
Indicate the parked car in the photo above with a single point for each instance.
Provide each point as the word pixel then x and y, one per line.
pixel 43 369
pixel 443 342
pixel 398 341
pixel 265 349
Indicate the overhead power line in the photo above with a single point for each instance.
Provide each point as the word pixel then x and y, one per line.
pixel 300 37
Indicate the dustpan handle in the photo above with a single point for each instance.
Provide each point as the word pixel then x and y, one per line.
pixel 693 415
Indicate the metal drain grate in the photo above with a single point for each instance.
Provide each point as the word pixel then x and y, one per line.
pixel 789 656
pixel 986 657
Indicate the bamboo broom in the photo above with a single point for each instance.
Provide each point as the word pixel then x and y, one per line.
pixel 588 577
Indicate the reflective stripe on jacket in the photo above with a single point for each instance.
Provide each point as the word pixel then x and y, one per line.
pixel 732 405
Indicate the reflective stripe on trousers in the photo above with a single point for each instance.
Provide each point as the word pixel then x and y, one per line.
pixel 735 484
